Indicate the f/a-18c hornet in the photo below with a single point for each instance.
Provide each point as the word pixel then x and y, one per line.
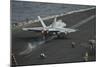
pixel 56 28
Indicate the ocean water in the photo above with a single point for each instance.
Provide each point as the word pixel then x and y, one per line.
pixel 22 10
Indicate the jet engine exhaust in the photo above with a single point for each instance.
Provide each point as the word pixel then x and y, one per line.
pixel 31 46
pixel 28 50
pixel 34 45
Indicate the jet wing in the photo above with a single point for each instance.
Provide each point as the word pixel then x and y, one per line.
pixel 71 30
pixel 37 29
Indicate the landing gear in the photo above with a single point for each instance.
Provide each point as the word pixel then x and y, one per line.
pixel 62 35
pixel 44 35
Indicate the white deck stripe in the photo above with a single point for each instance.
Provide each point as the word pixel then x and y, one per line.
pixel 83 21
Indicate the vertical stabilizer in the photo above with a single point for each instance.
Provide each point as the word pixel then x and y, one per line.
pixel 41 22
pixel 55 19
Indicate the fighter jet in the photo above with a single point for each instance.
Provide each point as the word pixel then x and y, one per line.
pixel 56 28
